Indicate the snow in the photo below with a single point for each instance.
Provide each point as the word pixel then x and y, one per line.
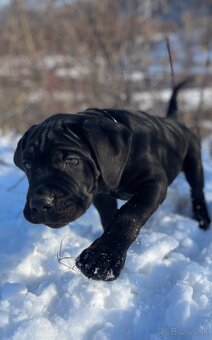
pixel 145 99
pixel 71 72
pixel 163 292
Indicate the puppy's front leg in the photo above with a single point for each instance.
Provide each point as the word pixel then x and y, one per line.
pixel 106 206
pixel 105 258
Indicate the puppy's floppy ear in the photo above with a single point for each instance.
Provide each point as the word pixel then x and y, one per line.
pixel 18 155
pixel 111 143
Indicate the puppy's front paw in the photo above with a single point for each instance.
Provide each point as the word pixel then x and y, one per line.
pixel 101 263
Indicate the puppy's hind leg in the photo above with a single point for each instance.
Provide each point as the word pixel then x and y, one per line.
pixel 192 168
pixel 106 206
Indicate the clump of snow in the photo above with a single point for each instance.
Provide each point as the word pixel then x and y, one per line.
pixel 163 292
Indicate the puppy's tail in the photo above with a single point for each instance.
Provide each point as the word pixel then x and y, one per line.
pixel 172 111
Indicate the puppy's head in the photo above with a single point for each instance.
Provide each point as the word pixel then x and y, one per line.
pixel 63 160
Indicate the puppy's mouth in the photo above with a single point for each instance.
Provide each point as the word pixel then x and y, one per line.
pixel 53 219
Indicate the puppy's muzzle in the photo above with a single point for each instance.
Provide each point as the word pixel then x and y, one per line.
pixel 53 211
pixel 41 205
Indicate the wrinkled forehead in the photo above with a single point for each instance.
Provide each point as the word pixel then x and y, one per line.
pixel 54 137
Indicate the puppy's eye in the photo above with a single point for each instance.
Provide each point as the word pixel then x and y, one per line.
pixel 72 161
pixel 27 164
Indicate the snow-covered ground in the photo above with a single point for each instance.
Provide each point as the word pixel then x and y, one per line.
pixel 163 292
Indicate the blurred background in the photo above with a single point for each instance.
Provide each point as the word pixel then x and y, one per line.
pixel 65 56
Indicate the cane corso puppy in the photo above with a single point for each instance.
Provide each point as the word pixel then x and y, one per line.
pixel 99 155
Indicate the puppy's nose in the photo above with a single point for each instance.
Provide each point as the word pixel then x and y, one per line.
pixel 41 205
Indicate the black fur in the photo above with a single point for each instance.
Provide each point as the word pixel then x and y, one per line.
pixel 101 155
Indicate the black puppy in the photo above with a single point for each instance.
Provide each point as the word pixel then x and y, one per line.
pixel 101 155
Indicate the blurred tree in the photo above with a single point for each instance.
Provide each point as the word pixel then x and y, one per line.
pixel 59 55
